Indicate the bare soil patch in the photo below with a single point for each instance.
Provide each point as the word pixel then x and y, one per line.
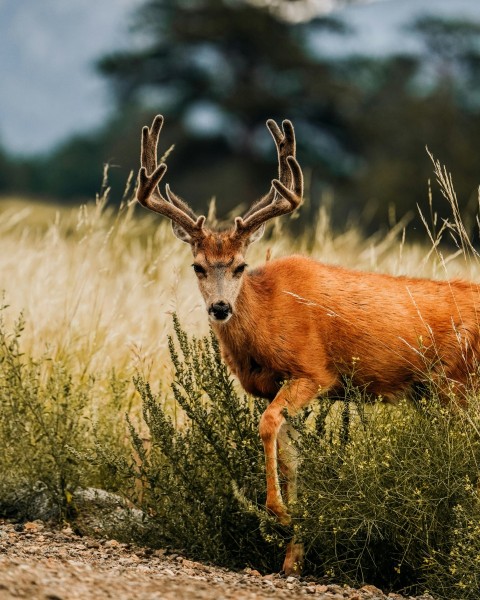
pixel 37 562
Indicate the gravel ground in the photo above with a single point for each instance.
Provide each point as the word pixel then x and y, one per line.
pixel 37 562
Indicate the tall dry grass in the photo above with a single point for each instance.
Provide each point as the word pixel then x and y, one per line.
pixel 97 285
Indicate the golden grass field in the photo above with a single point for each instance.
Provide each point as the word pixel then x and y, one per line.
pixel 97 285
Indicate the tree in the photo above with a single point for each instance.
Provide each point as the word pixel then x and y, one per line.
pixel 219 69
pixel 408 103
pixel 452 51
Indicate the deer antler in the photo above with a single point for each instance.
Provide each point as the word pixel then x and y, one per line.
pixel 286 192
pixel 148 193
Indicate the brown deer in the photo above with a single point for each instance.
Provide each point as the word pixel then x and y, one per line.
pixel 291 329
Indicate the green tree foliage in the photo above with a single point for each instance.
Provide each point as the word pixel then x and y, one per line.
pixel 231 58
pixel 362 123
pixel 393 120
pixel 230 66
pixel 4 170
pixel 453 51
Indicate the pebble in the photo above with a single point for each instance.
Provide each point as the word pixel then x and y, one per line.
pixel 371 589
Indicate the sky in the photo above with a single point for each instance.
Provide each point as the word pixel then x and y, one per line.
pixel 49 88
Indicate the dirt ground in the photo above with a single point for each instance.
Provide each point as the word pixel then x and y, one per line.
pixel 37 562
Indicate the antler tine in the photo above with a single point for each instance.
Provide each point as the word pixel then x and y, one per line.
pixel 286 146
pixel 149 177
pixel 286 192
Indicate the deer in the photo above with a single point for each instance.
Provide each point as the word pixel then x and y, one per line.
pixel 290 329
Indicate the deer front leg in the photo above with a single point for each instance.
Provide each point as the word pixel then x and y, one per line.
pixel 293 396
pixel 280 453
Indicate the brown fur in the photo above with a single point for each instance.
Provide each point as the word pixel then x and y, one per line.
pixel 297 318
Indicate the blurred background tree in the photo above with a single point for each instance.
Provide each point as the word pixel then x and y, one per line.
pixel 217 69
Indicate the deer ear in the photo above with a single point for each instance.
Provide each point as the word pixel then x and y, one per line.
pixel 257 234
pixel 180 233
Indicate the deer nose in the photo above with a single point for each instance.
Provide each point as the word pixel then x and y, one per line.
pixel 220 310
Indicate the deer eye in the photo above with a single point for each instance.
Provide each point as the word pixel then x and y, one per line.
pixel 199 270
pixel 239 270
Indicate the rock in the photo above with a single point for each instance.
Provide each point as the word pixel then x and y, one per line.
pixel 33 525
pixel 97 512
pixel 30 503
pixel 372 590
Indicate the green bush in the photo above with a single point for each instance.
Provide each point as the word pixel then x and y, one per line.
pixel 202 452
pixel 388 494
pixel 397 503
pixel 42 413
pixel 49 426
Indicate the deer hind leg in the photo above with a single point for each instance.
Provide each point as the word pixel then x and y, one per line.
pixel 287 464
pixel 287 455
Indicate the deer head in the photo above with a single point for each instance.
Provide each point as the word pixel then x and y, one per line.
pixel 219 256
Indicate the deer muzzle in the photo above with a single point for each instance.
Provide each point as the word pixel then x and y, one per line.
pixel 220 311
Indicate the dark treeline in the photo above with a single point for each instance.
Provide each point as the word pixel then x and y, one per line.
pixel 218 69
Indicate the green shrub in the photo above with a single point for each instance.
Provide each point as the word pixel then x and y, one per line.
pixel 388 494
pixel 42 413
pixel 47 430
pixel 393 503
pixel 200 449
pixel 457 575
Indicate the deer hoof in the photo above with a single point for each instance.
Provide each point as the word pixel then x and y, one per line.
pixel 293 563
